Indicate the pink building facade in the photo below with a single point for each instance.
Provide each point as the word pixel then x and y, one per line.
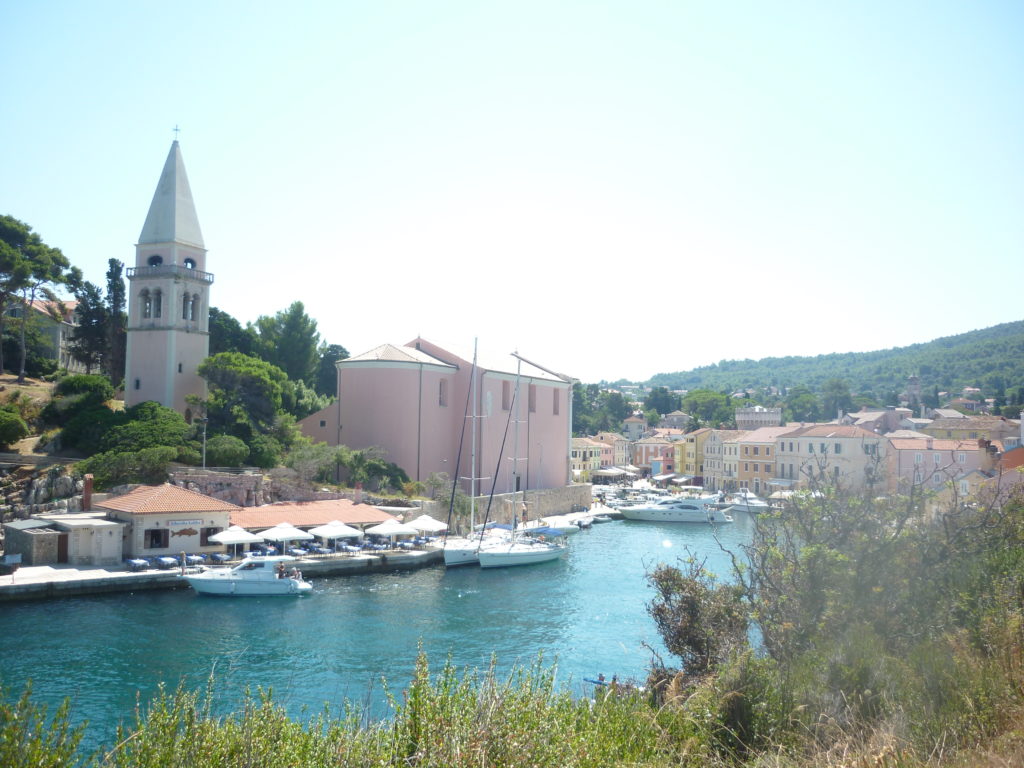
pixel 413 401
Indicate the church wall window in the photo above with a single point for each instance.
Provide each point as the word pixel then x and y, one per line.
pixel 186 307
pixel 155 260
pixel 190 263
pixel 194 307
pixel 147 304
pixel 157 302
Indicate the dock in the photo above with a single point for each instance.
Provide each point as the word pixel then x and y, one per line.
pixel 55 581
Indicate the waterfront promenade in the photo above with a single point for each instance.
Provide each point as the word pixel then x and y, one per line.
pixel 46 581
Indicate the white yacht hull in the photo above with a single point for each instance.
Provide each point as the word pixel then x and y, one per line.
pixel 207 584
pixel 460 551
pixel 689 511
pixel 254 577
pixel 501 556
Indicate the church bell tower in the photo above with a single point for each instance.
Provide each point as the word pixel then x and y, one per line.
pixel 168 298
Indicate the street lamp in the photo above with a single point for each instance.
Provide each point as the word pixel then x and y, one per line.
pixel 204 421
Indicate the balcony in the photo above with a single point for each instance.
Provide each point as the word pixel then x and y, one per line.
pixel 170 270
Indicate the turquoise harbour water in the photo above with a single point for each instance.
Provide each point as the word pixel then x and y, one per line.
pixel 585 613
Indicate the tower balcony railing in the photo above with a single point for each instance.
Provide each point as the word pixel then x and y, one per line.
pixel 170 270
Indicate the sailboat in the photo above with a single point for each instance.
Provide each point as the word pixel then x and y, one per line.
pixel 519 548
pixel 462 550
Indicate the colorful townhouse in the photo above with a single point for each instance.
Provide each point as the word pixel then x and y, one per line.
pixel 714 457
pixel 837 454
pixel 618 449
pixel 756 461
pixel 585 458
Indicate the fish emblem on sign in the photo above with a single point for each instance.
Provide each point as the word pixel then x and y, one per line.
pixel 185 532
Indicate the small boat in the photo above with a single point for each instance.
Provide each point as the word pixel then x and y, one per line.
pixel 253 577
pixel 678 509
pixel 748 502
pixel 602 519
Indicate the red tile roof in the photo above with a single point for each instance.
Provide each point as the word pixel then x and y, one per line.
pixel 308 513
pixel 164 499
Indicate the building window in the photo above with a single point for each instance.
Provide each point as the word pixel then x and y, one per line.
pixel 186 306
pixel 837 449
pixel 554 402
pixel 158 303
pixel 193 307
pixel 961 458
pixel 442 393
pixel 506 395
pixel 965 488
pixel 155 260
pixel 532 395
pixel 918 458
pixel 206 533
pixel 147 304
pixel 138 383
pixel 917 475
pixel 938 458
pixel 757 450
pixel 323 423
pixel 179 367
pixel 156 538
pixel 190 263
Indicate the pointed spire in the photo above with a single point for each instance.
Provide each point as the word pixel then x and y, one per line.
pixel 172 214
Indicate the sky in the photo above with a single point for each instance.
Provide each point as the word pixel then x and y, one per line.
pixel 612 189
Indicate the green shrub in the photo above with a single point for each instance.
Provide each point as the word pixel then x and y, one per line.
pixel 226 451
pixel 12 429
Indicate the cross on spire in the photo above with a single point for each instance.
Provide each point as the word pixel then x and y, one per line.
pixel 176 131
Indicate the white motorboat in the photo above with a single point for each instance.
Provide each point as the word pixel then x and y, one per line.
pixel 747 501
pixel 678 509
pixel 253 577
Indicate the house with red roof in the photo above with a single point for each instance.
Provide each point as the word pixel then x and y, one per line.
pixel 167 520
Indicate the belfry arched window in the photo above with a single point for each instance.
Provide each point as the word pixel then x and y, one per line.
pixel 190 263
pixel 155 260
pixel 194 307
pixel 146 303
pixel 158 301
pixel 186 307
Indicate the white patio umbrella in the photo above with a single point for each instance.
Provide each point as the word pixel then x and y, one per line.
pixel 392 528
pixel 428 524
pixel 335 530
pixel 235 535
pixel 285 532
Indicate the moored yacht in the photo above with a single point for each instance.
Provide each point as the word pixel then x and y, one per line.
pixel 253 577
pixel 678 509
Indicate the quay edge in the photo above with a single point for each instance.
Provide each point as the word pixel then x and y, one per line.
pixel 44 582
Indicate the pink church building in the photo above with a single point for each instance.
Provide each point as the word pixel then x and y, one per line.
pixel 419 401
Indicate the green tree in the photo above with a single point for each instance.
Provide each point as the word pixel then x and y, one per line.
pixel 90 338
pixel 117 322
pixel 291 341
pixel 47 268
pixel 311 461
pixel 246 394
pixel 801 405
pixel 662 401
pixel 712 408
pixel 228 335
pixel 835 397
pixel 327 370
pixel 226 451
pixel 16 240
pixel 147 425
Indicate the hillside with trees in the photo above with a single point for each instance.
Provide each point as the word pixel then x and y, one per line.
pixel 991 359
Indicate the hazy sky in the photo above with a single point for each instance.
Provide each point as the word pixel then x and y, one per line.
pixel 614 189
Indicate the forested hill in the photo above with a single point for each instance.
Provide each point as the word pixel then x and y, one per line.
pixel 991 358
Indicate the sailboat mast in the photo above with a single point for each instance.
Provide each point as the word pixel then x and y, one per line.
pixel 473 397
